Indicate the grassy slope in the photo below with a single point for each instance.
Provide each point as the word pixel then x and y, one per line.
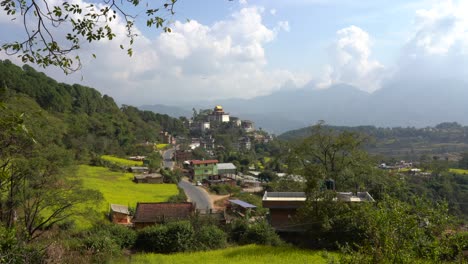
pixel 459 171
pixel 121 161
pixel 244 254
pixel 118 188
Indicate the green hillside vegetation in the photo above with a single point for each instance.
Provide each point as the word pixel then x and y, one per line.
pixel 244 254
pixel 404 142
pixel 121 161
pixel 94 124
pixel 116 188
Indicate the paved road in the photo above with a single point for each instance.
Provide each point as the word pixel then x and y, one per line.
pixel 167 158
pixel 196 195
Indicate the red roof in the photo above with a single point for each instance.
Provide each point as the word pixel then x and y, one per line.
pixel 156 212
pixel 197 162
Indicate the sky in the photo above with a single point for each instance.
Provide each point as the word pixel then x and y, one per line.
pixel 221 49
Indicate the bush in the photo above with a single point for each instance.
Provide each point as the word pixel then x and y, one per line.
pixel 13 251
pixel 237 229
pixel 210 237
pixel 152 239
pixel 101 247
pixel 123 236
pixel 224 189
pixel 172 237
pixel 260 233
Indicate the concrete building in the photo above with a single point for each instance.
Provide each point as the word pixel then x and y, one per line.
pixel 200 170
pixel 227 170
pixel 218 115
pixel 283 206
pixel 148 178
pixel 248 126
pixel 204 126
pixel 235 121
pixel 243 143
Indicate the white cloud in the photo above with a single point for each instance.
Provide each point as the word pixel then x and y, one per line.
pixel 243 2
pixel 194 62
pixel 438 47
pixel 284 25
pixel 273 12
pixel 351 61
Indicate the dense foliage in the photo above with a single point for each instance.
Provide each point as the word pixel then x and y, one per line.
pixel 92 123
pixel 404 142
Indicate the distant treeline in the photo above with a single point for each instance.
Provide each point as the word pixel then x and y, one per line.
pixel 93 123
pixel 446 137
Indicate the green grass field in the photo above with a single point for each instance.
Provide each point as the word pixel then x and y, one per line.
pixel 161 146
pixel 245 254
pixel 121 161
pixel 118 188
pixel 459 171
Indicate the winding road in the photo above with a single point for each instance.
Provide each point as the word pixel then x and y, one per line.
pixel 197 195
pixel 167 158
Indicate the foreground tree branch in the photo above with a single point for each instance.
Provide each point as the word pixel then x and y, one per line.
pixel 44 45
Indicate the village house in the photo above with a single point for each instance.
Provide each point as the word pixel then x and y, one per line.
pixel 182 155
pixel 119 214
pixel 200 170
pixel 243 143
pixel 239 208
pixel 247 125
pixel 207 142
pixel 147 214
pixel 228 170
pixel 148 178
pixel 235 121
pixel 136 169
pixel 283 206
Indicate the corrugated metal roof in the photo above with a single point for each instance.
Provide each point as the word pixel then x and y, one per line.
pixel 119 208
pixel 242 204
pixel 226 166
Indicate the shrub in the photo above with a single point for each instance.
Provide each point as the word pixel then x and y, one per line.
pixel 123 236
pixel 237 229
pixel 210 237
pixel 260 233
pixel 152 239
pixel 172 237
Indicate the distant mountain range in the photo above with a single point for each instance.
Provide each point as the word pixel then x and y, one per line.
pixel 398 103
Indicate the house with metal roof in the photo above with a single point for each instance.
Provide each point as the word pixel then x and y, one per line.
pixel 227 170
pixel 147 214
pixel 119 214
pixel 283 206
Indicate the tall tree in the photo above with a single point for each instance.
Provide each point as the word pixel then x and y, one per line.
pixel 331 154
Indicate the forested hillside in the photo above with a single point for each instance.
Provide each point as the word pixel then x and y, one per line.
pixel 91 123
pixel 406 142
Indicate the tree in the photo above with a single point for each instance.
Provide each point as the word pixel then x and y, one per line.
pixel 400 232
pixel 330 154
pixel 44 45
pixel 36 190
